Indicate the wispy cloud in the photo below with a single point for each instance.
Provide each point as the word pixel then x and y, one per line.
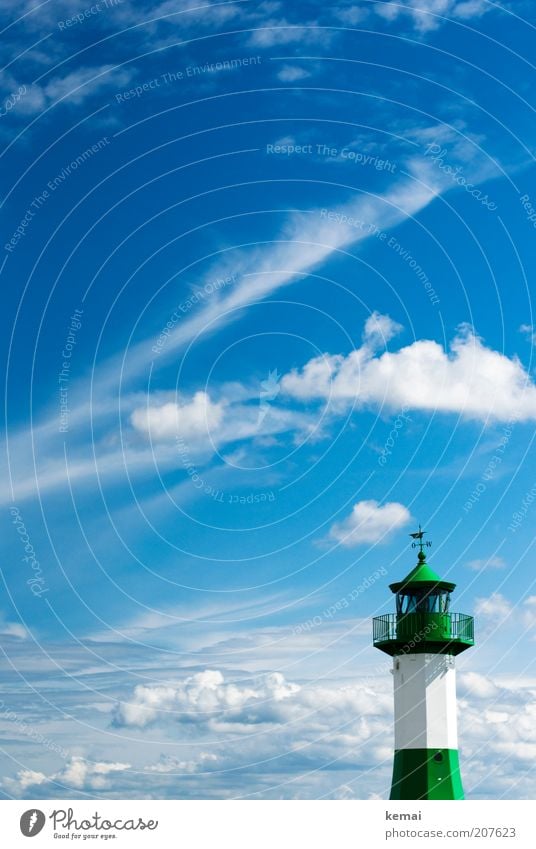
pixel 307 240
pixel 483 563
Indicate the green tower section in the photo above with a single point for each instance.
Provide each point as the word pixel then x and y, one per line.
pixel 426 774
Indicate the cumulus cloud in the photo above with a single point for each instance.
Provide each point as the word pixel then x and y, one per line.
pixel 77 773
pixel 25 778
pixel 201 425
pixel 369 523
pixel 109 779
pixel 205 697
pixel 80 773
pixel 336 725
pixel 469 378
pixel 190 420
pixel 497 729
pixel 268 737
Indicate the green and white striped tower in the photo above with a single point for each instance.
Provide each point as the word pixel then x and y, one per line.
pixel 423 638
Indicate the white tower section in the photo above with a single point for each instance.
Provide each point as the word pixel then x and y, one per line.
pixel 425 701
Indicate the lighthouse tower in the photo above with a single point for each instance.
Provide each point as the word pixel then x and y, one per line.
pixel 423 638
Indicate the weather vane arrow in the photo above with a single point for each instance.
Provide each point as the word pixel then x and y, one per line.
pixel 418 535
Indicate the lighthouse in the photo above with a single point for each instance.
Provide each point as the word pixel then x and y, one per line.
pixel 423 637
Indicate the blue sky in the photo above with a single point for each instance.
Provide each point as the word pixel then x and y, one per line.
pixel 267 274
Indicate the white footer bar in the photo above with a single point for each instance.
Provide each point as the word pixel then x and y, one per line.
pixel 268 825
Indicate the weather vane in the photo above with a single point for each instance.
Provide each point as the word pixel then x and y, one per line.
pixel 421 544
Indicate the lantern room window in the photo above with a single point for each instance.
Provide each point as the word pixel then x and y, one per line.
pixel 423 601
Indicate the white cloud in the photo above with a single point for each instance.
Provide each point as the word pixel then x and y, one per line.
pixel 108 779
pixel 80 773
pixel 306 241
pixel 84 82
pixel 459 146
pixel 522 751
pixel 486 563
pixel 476 685
pixel 369 523
pixel 185 617
pixel 529 612
pixel 466 9
pixel 497 727
pixel 168 763
pixel 496 606
pixel 468 379
pixel 77 773
pixel 276 32
pixel 335 725
pixel 350 15
pixel 205 697
pixel 428 15
pixel 13 629
pixel 379 329
pixel 192 420
pixel 292 73
pixel 529 333
pixel 205 426
pixel 285 140
pixel 188 14
pixel 25 778
pixel 229 734
pixel 73 88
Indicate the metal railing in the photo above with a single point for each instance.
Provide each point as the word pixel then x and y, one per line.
pixel 430 627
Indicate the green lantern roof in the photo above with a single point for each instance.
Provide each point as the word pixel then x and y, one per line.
pixel 421 577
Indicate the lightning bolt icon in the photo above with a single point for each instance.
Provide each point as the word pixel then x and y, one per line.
pixel 33 820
